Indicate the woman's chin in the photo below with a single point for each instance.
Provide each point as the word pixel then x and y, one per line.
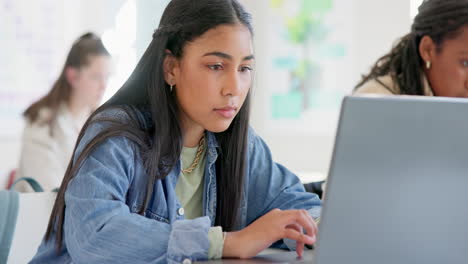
pixel 218 127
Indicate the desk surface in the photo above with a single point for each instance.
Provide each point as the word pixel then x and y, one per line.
pixel 271 256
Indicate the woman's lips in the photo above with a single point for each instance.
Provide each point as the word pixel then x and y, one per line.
pixel 226 112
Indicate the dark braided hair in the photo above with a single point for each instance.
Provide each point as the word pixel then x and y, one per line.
pixel 438 19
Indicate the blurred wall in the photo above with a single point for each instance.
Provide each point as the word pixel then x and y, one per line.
pixel 376 25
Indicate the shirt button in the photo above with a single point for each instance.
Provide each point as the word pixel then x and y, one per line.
pixel 181 211
pixel 187 261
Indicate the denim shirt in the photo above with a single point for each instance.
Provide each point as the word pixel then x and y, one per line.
pixel 102 224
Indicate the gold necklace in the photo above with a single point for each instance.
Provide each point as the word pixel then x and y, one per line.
pixel 201 147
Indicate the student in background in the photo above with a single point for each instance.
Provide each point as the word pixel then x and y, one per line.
pixel 53 122
pixel 432 60
pixel 168 170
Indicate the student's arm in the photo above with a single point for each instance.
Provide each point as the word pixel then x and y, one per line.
pixel 99 226
pixel 271 185
pixel 277 206
pixel 39 158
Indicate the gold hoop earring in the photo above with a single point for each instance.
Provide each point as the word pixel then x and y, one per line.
pixel 428 65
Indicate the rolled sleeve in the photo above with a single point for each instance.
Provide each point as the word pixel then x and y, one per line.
pixel 215 236
pixel 189 240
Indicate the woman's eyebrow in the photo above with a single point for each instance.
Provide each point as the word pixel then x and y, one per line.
pixel 226 56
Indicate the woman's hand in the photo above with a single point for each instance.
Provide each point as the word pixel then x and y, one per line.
pixel 266 230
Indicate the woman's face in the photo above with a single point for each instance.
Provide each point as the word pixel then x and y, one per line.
pixel 89 82
pixel 213 77
pixel 448 74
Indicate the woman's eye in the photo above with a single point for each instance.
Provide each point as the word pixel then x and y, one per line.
pixel 216 67
pixel 465 63
pixel 246 68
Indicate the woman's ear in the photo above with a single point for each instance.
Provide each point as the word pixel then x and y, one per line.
pixel 427 49
pixel 71 74
pixel 170 65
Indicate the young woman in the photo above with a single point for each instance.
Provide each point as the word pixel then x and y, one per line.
pixel 168 169
pixel 54 122
pixel 431 60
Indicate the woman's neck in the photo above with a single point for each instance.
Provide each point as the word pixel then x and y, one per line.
pixel 192 132
pixel 192 137
pixel 79 111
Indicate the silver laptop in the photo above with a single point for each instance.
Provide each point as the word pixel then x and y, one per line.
pixel 397 190
pixel 279 256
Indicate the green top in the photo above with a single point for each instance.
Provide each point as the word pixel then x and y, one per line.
pixel 189 191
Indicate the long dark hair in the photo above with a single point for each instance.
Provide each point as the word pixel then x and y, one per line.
pixel 89 44
pixel 438 19
pixel 161 142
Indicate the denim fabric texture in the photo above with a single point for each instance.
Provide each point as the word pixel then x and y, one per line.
pixel 101 220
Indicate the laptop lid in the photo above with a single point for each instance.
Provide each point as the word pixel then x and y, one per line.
pixel 397 190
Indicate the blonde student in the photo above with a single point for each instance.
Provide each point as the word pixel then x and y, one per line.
pixel 431 60
pixel 54 121
pixel 168 170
